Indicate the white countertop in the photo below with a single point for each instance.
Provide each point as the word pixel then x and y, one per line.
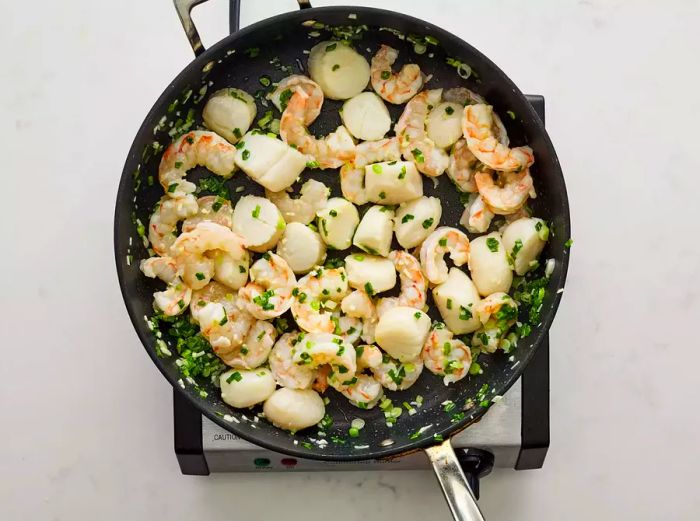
pixel 86 422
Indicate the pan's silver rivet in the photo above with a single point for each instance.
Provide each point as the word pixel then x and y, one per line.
pixel 386 443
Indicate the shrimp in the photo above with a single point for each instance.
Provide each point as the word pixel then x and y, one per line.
pixel 208 236
pixel 197 270
pixel 317 349
pixel 174 299
pixel 415 144
pixel 316 296
pixel 223 321
pixel 255 348
pixel 350 328
pixel 363 391
pixel 497 312
pixel 269 292
pixel 463 96
pixel 293 83
pixel 414 287
pixel 162 227
pixel 462 167
pixel 446 356
pixel 495 303
pixel 395 375
pixel 507 195
pixel 352 175
pixel 321 381
pixel 476 217
pixel 432 252
pixel 369 152
pixel 369 356
pixel 164 268
pixel 199 147
pixel 396 88
pixel 359 305
pixel 210 208
pixel 331 151
pixel 285 372
pixel 314 196
pixel 477 126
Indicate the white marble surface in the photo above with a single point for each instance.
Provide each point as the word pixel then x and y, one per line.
pixel 85 419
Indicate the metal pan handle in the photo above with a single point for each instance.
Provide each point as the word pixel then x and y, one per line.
pixel 184 11
pixel 454 483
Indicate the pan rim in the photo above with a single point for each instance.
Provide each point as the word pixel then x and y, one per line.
pixel 248 434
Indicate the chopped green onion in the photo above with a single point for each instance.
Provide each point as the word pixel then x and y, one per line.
pixel 407 217
pixel 234 376
pixel 492 244
pixel 428 223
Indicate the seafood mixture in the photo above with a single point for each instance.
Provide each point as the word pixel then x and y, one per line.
pixel 315 292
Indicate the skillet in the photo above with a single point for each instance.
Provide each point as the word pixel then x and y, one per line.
pixel 240 60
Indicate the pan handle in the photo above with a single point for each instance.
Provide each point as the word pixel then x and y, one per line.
pixel 184 11
pixel 453 482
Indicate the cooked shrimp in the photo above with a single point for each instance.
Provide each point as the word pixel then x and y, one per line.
pixel 369 152
pixel 446 356
pixel 362 390
pixel 321 381
pixel 396 88
pixel 302 209
pixel 368 356
pixel 269 292
pixel 477 126
pixel 465 96
pixel 433 249
pixel 476 217
pixel 350 328
pixel 491 305
pixel 222 320
pixel 331 151
pixel 299 82
pixel 199 147
pixel 164 268
pixel 318 349
pixel 352 175
pixel 352 183
pixel 174 299
pixel 462 167
pixel 162 227
pixel 316 296
pixel 208 236
pixel 210 208
pixel 395 375
pixel 498 312
pixel 255 348
pixel 508 194
pixel 197 270
pixel 415 144
pixel 284 370
pixel 414 286
pixel 462 95
pixel 359 304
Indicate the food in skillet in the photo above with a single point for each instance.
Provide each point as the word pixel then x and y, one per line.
pixel 297 293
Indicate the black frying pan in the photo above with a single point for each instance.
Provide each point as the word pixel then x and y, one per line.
pixel 284 37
